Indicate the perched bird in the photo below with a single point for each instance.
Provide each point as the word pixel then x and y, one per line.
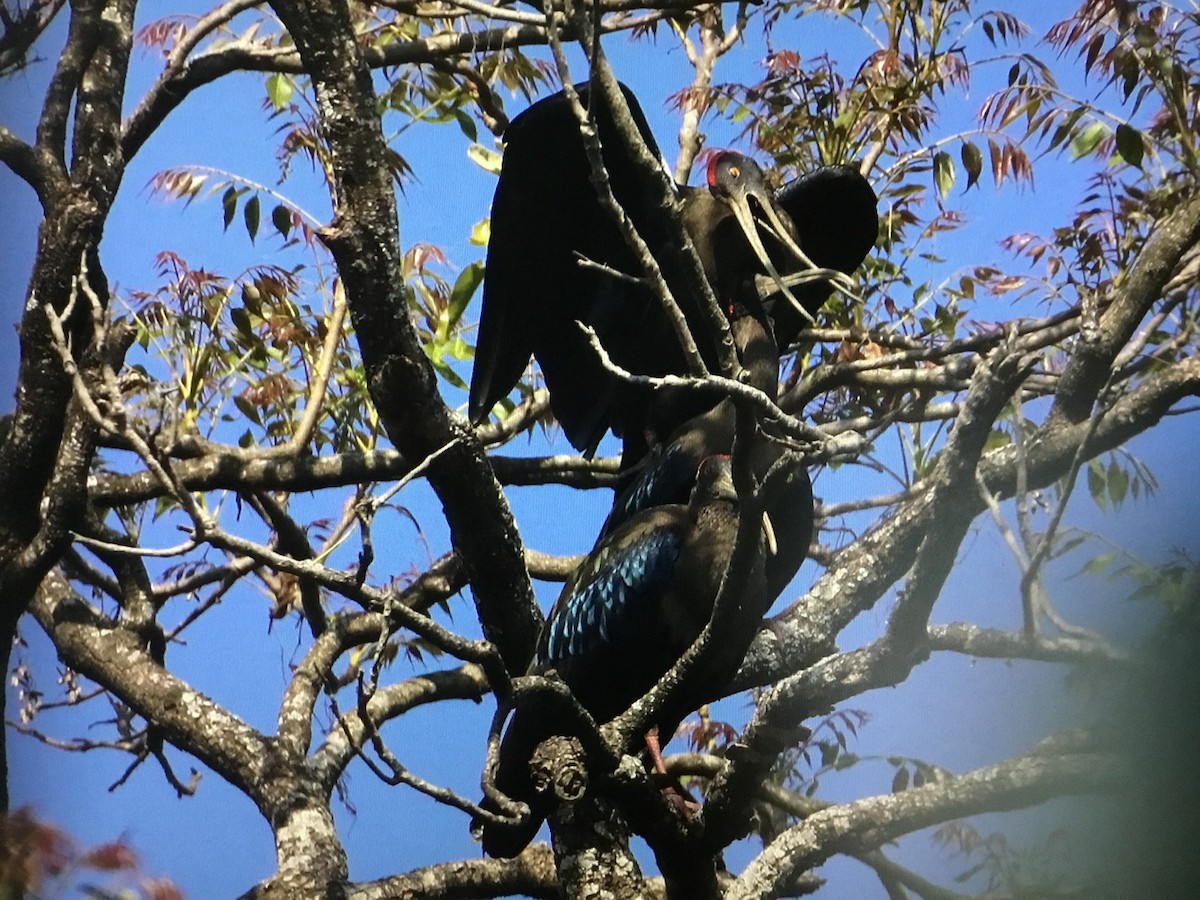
pixel 547 220
pixel 629 611
pixel 668 473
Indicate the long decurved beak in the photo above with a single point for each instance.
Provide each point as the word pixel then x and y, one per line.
pixel 769 535
pixel 739 205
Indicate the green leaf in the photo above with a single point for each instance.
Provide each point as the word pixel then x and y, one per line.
pixel 1130 145
pixel 1087 141
pixel 1098 564
pixel 251 214
pixel 281 218
pixel 460 349
pixel 1096 485
pixel 481 233
pixel 241 321
pixel 972 160
pixel 163 505
pixel 466 124
pixel 488 160
pixel 996 439
pixel 247 409
pixel 943 172
pixel 845 761
pixel 279 90
pixel 464 289
pixel 829 753
pixel 443 369
pixel 229 205
pixel 1118 484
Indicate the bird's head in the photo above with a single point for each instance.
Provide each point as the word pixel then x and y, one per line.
pixel 732 174
pixel 714 483
pixel 714 480
pixel 741 184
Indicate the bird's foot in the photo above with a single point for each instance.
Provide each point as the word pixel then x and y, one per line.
pixel 677 795
pixel 681 800
pixel 654 748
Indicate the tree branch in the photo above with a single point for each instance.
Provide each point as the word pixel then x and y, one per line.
pixel 863 571
pixel 869 823
pixel 231 469
pixel 531 874
pixel 993 643
pixel 348 734
pixel 1088 368
pixel 22 32
pixel 365 242
pixel 116 658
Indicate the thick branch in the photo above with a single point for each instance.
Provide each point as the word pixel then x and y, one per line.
pixel 531 874
pixel 861 573
pixel 27 164
pixel 243 471
pixel 171 90
pixel 1087 372
pixel 117 659
pixel 993 643
pixel 869 823
pixel 365 241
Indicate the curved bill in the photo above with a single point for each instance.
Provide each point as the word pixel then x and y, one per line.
pixel 739 204
pixel 769 535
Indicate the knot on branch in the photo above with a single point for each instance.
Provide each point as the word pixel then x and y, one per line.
pixel 560 765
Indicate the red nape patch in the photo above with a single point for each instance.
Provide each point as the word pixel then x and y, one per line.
pixel 713 162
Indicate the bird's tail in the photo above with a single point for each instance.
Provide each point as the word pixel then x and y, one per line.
pixel 514 780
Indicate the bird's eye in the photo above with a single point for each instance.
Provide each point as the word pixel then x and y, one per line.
pixel 735 172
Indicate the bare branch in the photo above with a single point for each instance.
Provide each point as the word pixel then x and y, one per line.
pixel 532 874
pixel 604 193
pixel 1144 284
pixel 115 657
pixel 20 33
pixel 963 637
pixel 365 243
pixel 349 733
pixel 324 368
pixel 231 469
pixel 865 570
pixel 869 823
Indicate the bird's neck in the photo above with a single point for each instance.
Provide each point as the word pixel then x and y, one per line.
pixel 758 352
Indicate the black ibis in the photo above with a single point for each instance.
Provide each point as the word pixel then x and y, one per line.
pixel 668 473
pixel 555 257
pixel 630 610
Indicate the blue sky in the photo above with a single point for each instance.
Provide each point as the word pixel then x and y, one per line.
pixel 954 711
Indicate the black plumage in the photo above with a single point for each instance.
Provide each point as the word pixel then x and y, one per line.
pixel 647 589
pixel 631 609
pixel 546 216
pixel 668 473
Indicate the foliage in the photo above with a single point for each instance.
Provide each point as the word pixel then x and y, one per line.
pixel 38 860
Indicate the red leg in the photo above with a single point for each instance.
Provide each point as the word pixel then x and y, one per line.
pixel 655 749
pixel 674 791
